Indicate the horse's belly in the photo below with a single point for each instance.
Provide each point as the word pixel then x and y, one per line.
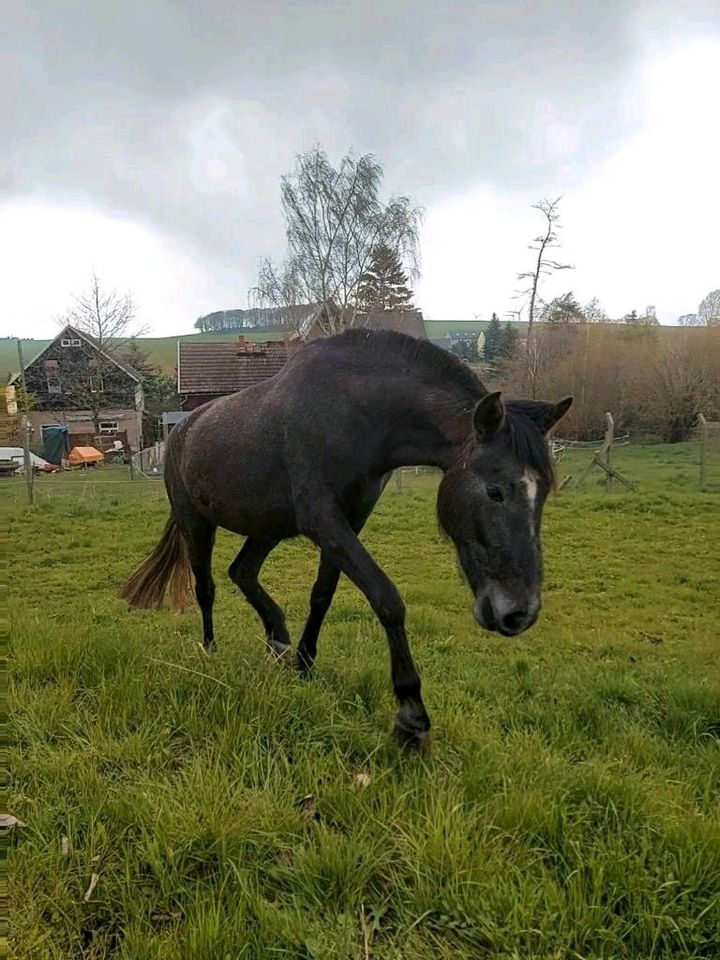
pixel 248 511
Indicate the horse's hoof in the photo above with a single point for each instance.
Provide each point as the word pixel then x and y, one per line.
pixel 412 741
pixel 280 651
pixel 304 669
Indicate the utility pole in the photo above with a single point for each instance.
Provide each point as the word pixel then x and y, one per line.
pixel 26 431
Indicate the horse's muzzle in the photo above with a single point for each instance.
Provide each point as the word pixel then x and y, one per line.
pixel 504 612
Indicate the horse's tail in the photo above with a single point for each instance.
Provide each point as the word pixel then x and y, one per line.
pixel 165 571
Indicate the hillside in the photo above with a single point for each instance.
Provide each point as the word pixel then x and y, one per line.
pixel 440 328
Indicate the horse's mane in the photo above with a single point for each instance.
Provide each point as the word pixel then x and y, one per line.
pixel 433 362
pixel 519 433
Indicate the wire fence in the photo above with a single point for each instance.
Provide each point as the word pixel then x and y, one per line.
pixel 694 465
pixel 150 460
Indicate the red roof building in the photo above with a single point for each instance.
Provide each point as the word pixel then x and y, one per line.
pixel 208 370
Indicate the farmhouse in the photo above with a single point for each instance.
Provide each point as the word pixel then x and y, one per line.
pixel 90 390
pixel 207 370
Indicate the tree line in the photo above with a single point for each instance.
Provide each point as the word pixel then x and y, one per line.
pixel 655 380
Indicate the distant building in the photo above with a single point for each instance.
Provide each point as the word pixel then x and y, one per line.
pixel 208 370
pixel 445 343
pixel 72 379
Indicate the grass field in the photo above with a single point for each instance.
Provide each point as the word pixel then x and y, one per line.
pixel 569 808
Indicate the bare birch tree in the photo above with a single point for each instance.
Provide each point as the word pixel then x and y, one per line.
pixel 335 218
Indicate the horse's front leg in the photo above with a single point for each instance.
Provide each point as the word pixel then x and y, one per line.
pixel 244 572
pixel 328 575
pixel 330 529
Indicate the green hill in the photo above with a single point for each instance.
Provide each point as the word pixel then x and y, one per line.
pixel 442 328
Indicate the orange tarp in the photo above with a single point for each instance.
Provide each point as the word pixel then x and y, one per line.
pixel 85 455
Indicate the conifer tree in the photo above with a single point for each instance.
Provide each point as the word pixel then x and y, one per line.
pixel 384 285
pixel 509 340
pixel 493 336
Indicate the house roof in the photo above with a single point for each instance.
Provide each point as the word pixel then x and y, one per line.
pixel 401 321
pixel 68 331
pixel 220 368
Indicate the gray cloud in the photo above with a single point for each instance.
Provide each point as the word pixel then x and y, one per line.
pixel 184 114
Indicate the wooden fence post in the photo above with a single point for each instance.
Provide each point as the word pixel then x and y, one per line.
pixel 27 462
pixel 607 448
pixel 703 448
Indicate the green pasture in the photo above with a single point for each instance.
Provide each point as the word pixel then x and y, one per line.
pixel 221 808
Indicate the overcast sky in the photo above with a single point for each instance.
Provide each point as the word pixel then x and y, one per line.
pixel 145 141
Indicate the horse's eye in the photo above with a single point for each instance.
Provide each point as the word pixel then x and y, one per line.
pixel 495 493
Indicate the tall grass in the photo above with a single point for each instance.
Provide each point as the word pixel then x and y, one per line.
pixel 230 810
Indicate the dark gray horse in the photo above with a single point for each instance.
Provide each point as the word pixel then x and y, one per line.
pixel 309 452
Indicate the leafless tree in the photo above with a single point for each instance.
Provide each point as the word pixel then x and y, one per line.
pixel 108 320
pixel 544 265
pixel 709 309
pixel 594 312
pixel 334 220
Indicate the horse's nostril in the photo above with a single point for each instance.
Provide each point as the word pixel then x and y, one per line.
pixel 514 621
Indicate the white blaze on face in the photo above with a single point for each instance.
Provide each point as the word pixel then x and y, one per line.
pixel 531 488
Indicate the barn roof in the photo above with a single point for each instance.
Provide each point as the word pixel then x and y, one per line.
pixel 220 368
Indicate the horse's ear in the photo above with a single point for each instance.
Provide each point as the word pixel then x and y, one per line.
pixel 546 415
pixel 556 412
pixel 488 417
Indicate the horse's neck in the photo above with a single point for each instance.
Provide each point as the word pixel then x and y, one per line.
pixel 433 428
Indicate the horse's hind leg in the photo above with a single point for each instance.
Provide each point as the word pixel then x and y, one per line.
pixel 200 537
pixel 244 572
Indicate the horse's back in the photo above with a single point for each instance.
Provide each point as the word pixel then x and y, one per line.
pixel 245 458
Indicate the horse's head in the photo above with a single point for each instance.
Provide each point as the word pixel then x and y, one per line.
pixel 490 504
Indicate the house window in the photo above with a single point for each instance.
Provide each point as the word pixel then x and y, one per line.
pixel 70 342
pixel 108 426
pixel 52 375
